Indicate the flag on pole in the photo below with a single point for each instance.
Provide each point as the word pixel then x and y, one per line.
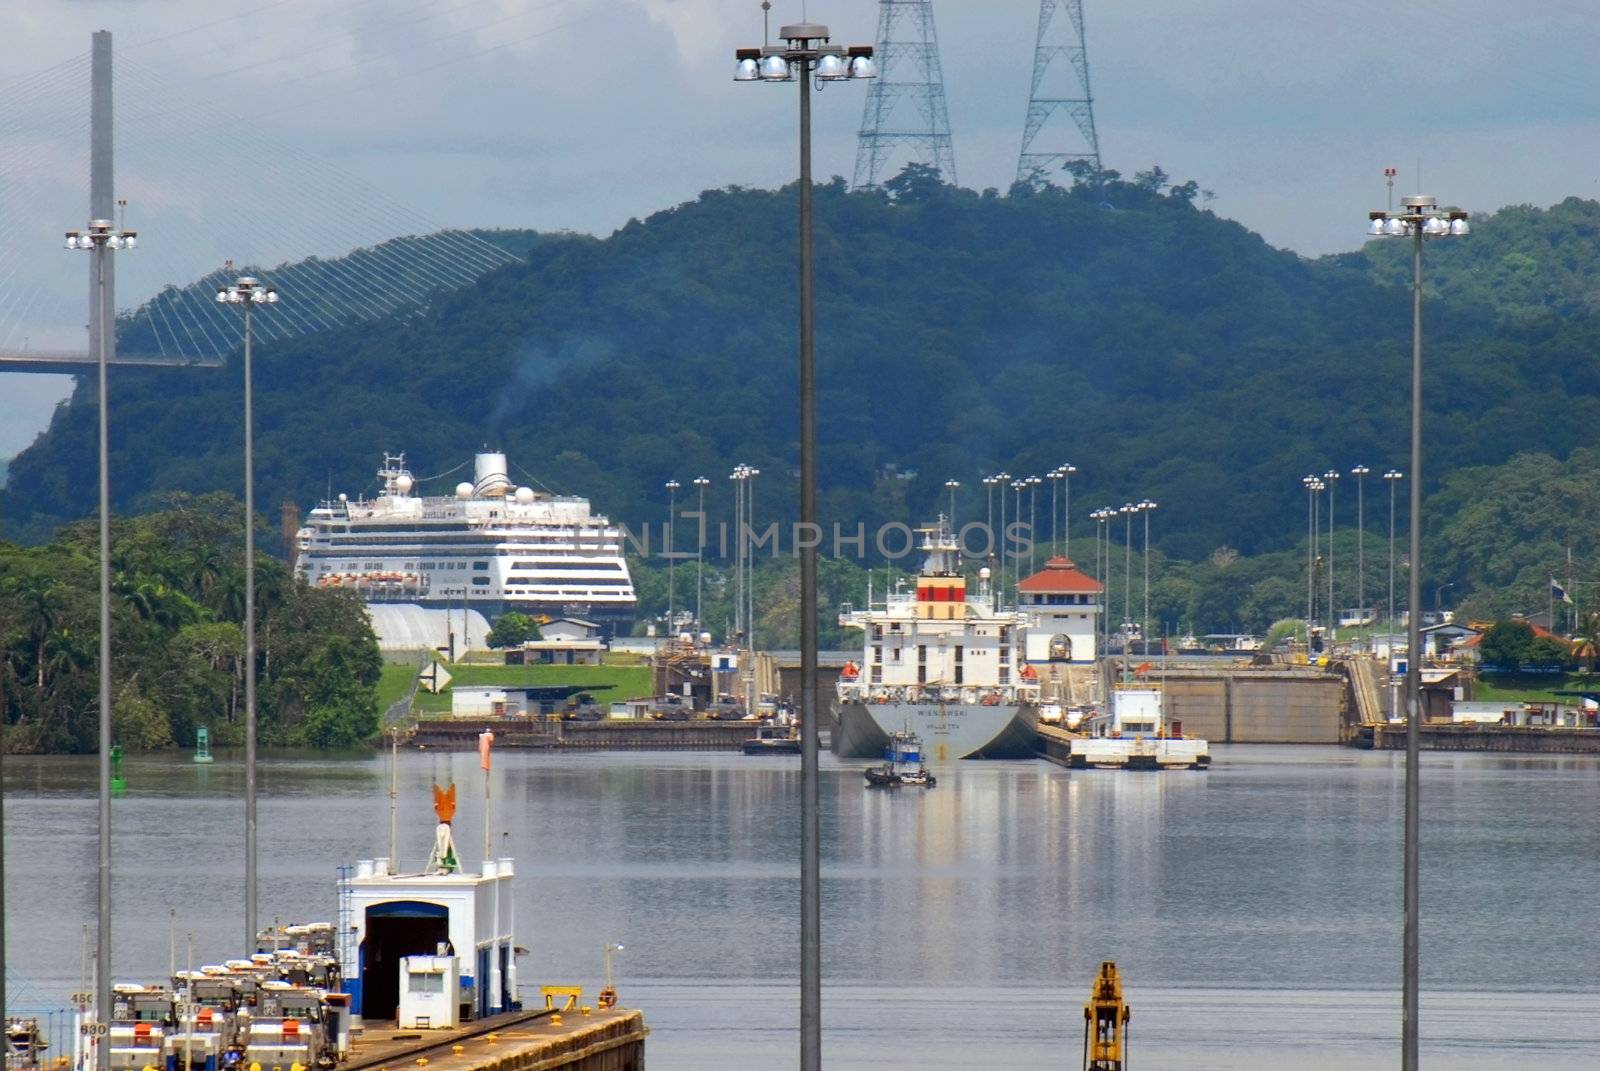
pixel 485 741
pixel 1559 593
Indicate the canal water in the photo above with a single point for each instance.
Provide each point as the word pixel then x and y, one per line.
pixel 1254 910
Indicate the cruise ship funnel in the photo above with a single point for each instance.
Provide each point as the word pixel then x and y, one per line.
pixel 490 479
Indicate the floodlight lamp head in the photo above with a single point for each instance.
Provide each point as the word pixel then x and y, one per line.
pixel 747 70
pixel 776 69
pixel 832 68
pixel 1375 225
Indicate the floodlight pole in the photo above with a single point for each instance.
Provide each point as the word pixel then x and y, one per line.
pixel 248 292
pixel 101 237
pixel 1419 217
pixel 805 51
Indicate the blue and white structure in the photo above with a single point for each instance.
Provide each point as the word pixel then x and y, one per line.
pixel 387 917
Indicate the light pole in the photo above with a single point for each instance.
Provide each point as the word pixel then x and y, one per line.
pixel 1360 473
pixel 1309 483
pixel 1100 569
pixel 102 237
pixel 247 293
pixel 1002 480
pixel 952 486
pixel 1128 510
pixel 1016 515
pixel 1054 476
pixel 1392 477
pixel 737 476
pixel 700 485
pixel 1146 507
pixel 1033 483
pixel 1419 217
pixel 1331 478
pixel 1066 520
pixel 1107 515
pixel 672 545
pixel 751 473
pixel 806 50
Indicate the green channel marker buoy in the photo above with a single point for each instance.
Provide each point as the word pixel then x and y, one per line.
pixel 118 785
pixel 202 744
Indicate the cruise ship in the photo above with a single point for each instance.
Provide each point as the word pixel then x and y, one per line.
pixel 492 546
pixel 941 663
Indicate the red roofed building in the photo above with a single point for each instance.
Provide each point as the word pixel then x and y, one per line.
pixel 1063 605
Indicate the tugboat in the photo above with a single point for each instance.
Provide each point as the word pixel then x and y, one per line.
pixel 902 764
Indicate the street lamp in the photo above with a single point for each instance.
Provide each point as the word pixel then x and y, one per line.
pixel 1360 473
pixel 672 545
pixel 952 486
pixel 1102 568
pixel 1392 477
pixel 1066 521
pixel 1331 478
pixel 1016 515
pixel 1419 217
pixel 248 292
pixel 806 49
pixel 1146 507
pixel 1127 510
pixel 700 484
pixel 1001 481
pixel 1309 483
pixel 1033 483
pixel 1054 476
pixel 102 237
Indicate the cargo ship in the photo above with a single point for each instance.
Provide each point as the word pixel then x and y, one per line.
pixel 941 662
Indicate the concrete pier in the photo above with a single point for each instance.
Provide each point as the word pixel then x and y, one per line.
pixel 576 1040
pixel 462 734
pixel 1535 739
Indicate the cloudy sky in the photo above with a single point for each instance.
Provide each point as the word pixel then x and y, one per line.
pixel 341 121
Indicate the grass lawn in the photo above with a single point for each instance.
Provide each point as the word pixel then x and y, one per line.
pixel 428 703
pixel 1533 687
pixel 393 684
pixel 608 683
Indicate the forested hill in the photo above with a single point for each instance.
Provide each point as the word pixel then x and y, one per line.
pixel 1166 352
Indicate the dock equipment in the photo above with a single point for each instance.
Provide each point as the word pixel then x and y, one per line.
pixel 1105 1023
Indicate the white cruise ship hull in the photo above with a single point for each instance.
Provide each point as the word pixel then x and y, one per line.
pixel 949 731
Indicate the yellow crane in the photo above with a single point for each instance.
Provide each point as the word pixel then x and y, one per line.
pixel 1105 1023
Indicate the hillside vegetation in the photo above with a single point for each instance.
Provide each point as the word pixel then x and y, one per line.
pixel 178 648
pixel 1166 352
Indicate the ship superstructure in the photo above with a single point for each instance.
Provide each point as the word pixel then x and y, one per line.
pixel 944 663
pixel 492 545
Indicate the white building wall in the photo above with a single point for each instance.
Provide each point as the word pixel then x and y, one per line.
pixel 480 702
pixel 1078 622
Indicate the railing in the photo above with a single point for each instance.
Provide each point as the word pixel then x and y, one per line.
pixel 401 708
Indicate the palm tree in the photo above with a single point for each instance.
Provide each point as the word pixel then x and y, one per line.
pixel 1586 644
pixel 38 598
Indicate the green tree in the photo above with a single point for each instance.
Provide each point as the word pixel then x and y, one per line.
pixel 1506 645
pixel 1547 652
pixel 512 629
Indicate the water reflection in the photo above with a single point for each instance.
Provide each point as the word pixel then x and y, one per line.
pixel 1277 870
